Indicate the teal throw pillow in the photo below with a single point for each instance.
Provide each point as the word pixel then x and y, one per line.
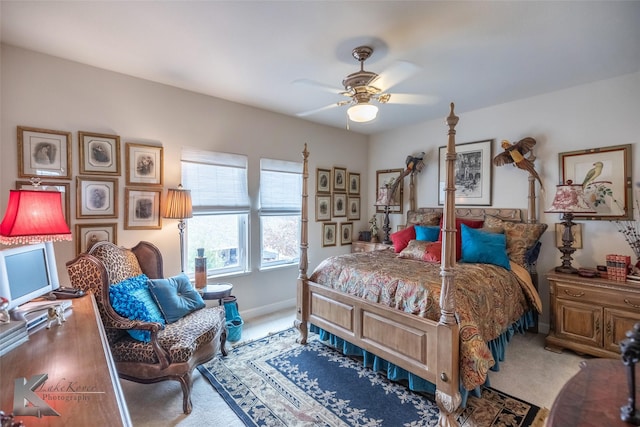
pixel 175 296
pixel 427 233
pixel 484 247
pixel 131 299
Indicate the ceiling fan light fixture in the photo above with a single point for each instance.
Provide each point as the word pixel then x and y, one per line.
pixel 362 113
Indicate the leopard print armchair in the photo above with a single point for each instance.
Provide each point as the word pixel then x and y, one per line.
pixel 175 349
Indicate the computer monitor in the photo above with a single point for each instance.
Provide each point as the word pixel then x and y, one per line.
pixel 27 272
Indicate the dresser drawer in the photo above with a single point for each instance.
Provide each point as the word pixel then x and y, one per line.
pixel 579 293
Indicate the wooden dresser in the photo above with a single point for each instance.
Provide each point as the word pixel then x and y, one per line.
pixel 361 246
pixel 590 316
pixel 82 384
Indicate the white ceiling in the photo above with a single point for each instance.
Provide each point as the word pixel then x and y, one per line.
pixel 476 54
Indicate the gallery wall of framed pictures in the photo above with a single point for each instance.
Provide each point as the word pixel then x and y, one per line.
pixel 45 161
pixel 337 198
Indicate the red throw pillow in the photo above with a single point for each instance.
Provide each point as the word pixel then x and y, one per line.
pixel 472 223
pixel 402 238
pixel 433 252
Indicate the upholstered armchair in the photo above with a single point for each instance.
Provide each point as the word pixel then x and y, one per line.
pixel 174 349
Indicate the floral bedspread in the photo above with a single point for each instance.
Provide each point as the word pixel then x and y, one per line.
pixel 488 298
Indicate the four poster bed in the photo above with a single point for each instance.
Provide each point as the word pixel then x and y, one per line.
pixel 409 317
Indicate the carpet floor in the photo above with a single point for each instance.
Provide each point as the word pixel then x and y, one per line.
pixel 274 381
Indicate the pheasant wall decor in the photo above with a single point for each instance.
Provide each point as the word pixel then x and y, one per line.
pixel 520 155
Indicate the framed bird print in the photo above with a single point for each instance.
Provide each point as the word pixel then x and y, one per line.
pixel 605 174
pixel 473 173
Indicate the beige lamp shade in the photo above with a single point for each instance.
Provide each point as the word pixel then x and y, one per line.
pixel 178 204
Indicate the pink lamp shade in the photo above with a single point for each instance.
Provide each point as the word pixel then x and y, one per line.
pixel 32 217
pixel 569 198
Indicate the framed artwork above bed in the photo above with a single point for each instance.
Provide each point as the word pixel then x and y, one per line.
pixel 472 173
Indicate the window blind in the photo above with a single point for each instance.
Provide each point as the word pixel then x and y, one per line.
pixel 218 181
pixel 280 186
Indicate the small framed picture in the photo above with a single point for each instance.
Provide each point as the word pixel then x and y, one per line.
pixel 43 152
pixel 576 232
pixel 89 234
pixel 62 188
pixel 339 205
pixel 323 208
pixel 96 197
pixel 99 153
pixel 346 230
pixel 142 209
pixel 353 208
pixel 323 181
pixel 144 164
pixel 339 179
pixel 329 234
pixel 354 184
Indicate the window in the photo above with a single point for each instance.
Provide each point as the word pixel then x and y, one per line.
pixel 280 200
pixel 220 223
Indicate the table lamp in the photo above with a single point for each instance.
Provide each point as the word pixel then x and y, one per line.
pixel 33 216
pixel 569 199
pixel 179 207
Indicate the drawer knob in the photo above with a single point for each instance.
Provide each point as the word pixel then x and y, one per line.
pixel 626 301
pixel 578 295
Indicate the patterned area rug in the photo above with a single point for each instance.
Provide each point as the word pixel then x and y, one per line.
pixel 276 382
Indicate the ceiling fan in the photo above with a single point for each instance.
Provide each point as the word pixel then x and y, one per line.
pixel 366 87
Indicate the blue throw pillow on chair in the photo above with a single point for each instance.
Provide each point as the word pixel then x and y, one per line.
pixel 484 247
pixel 131 299
pixel 175 296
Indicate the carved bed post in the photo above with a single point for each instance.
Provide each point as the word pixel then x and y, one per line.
pixel 302 294
pixel 531 214
pixel 448 395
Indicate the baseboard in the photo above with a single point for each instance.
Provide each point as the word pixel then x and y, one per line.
pixel 264 310
pixel 543 328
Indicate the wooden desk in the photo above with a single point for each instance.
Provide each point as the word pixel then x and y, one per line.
pixel 593 397
pixel 82 384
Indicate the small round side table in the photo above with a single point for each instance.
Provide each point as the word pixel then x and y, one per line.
pixel 216 291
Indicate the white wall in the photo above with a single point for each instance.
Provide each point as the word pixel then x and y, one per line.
pixel 47 92
pixel 600 114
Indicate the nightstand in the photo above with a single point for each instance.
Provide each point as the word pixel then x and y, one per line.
pixel 590 315
pixel 361 246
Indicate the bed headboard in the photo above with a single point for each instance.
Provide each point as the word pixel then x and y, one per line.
pixel 507 214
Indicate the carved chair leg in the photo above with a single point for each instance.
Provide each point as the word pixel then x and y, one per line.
pixel 185 382
pixel 223 342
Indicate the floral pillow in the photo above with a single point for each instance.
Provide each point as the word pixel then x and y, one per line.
pixel 422 251
pixel 521 236
pixel 431 218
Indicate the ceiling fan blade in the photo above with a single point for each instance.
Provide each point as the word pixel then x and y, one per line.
pixel 412 99
pixel 317 110
pixel 397 72
pixel 321 86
